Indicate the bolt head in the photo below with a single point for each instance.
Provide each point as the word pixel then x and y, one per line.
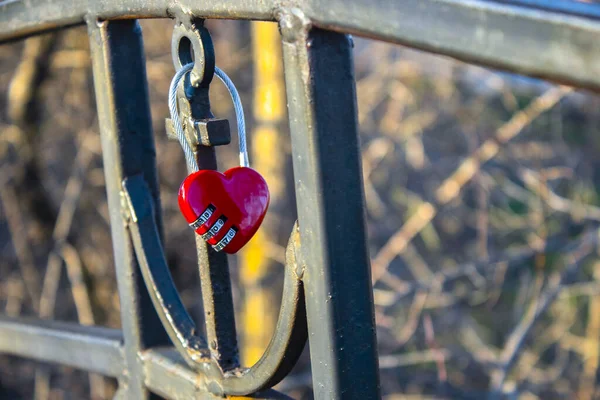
pixel 213 131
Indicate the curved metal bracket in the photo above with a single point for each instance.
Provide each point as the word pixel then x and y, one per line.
pixel 149 251
pixel 290 334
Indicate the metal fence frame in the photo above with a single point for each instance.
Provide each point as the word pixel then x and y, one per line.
pixel 327 290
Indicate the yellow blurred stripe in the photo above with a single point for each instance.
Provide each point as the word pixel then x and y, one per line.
pixel 259 311
pixel 268 72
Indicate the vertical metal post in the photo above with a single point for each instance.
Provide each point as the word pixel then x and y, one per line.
pixel 215 282
pixel 194 102
pixel 216 289
pixel 128 149
pixel 329 193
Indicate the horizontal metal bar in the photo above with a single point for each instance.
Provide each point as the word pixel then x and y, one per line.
pixel 168 375
pixel 545 43
pixel 554 40
pixel 89 348
pixel 98 349
pixel 572 7
pixel 19 18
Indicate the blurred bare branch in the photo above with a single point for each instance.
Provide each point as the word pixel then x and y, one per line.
pixel 517 338
pixel 14 218
pixel 451 187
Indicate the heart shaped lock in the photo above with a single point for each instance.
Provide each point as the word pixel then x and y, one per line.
pixel 226 209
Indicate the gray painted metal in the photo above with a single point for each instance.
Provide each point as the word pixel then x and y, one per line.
pixel 528 36
pixel 89 348
pixel 321 97
pixel 290 334
pixel 167 375
pixel 98 349
pixel 146 242
pixel 194 105
pixel 128 150
pixel 327 277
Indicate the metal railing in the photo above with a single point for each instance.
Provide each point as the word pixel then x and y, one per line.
pixel 327 290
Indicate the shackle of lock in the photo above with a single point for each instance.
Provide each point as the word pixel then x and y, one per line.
pixel 193 56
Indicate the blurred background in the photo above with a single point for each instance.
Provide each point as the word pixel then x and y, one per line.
pixel 482 205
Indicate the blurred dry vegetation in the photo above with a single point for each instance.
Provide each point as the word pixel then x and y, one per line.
pixel 481 201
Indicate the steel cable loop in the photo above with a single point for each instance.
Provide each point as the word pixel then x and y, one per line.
pixel 187 149
pixel 239 114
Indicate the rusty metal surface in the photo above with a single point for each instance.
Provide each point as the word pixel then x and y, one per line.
pixel 527 36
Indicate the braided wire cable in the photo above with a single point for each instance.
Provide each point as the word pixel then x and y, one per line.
pixel 187 149
pixel 239 115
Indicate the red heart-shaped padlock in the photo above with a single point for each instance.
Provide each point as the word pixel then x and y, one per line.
pixel 226 209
